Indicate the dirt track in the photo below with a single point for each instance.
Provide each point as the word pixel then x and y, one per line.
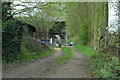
pixel 44 68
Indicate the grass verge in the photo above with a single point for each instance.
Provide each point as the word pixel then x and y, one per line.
pixel 101 65
pixel 27 56
pixel 85 50
pixel 66 57
pixel 47 53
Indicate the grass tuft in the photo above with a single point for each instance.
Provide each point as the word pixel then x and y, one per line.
pixel 66 57
pixel 85 50
pixel 27 56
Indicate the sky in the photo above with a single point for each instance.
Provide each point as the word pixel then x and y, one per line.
pixel 112 18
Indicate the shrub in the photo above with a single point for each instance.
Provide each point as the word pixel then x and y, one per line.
pixel 11 40
pixel 32 49
pixel 32 44
pixel 26 56
pixel 102 65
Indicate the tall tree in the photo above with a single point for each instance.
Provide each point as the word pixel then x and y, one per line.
pixel 6 11
pixel 119 28
pixel 11 34
pixel 41 15
pixel 88 22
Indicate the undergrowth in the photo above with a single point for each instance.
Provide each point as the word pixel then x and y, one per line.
pixel 101 65
pixel 85 50
pixel 66 57
pixel 73 39
pixel 104 66
pixel 27 56
pixel 32 50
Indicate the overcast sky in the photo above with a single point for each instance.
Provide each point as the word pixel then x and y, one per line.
pixel 112 18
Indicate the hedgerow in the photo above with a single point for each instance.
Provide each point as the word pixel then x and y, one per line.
pixel 11 40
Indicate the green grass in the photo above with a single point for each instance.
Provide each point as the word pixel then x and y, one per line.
pixel 48 69
pixel 101 65
pixel 66 57
pixel 85 50
pixel 54 72
pixel 73 39
pixel 47 53
pixel 27 56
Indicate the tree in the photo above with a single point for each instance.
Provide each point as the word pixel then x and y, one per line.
pixel 6 11
pixel 12 34
pixel 41 15
pixel 87 22
pixel 119 28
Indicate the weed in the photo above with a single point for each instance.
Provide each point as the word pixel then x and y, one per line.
pixel 31 52
pixel 101 65
pixel 85 50
pixel 54 72
pixel 65 58
pixel 104 66
pixel 48 69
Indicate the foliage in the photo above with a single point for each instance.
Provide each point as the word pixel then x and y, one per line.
pixel 48 69
pixel 0 24
pixel 26 55
pixel 66 57
pixel 77 21
pixel 100 65
pixel 57 29
pixel 73 39
pixel 6 11
pixel 31 50
pixel 32 44
pixel 12 34
pixel 0 31
pixel 47 53
pixel 85 50
pixel 86 22
pixel 11 40
pixel 44 17
pixel 104 66
pixel 83 35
